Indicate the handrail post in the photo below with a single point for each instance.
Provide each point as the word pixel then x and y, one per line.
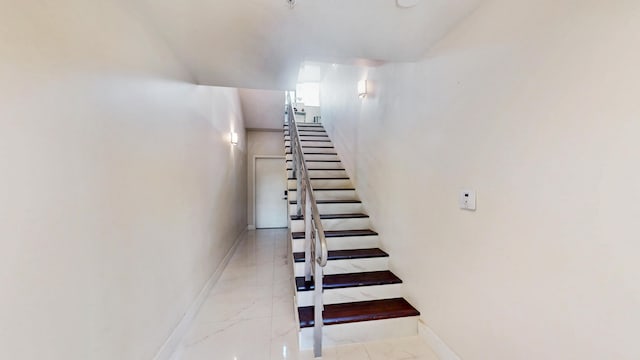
pixel 294 164
pixel 308 258
pixel 298 161
pixel 318 322
pixel 299 193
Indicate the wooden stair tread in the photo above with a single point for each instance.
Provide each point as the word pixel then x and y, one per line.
pixel 338 233
pixel 328 189
pixel 334 216
pixel 341 281
pixel 343 216
pixel 346 254
pixel 338 201
pixel 317 178
pixel 314 132
pixel 312 153
pixel 318 169
pixel 293 202
pixel 334 314
pixel 305 124
pixel 307 137
pixel 315 169
pixel 291 160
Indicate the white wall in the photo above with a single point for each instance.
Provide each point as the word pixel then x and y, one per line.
pixel 534 104
pixel 263 109
pixel 260 143
pixel 119 190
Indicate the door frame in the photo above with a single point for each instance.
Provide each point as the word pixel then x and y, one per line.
pixel 255 185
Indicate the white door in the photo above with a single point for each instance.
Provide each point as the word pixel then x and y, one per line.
pixel 271 182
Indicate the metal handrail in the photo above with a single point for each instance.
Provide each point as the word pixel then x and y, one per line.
pixel 314 232
pixel 300 165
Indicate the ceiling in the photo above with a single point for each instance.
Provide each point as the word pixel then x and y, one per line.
pixel 261 44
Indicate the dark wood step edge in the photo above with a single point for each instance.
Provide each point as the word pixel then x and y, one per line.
pixel 316 178
pixel 350 280
pixel 334 216
pixel 328 189
pixel 293 202
pixel 338 233
pixel 322 161
pixel 349 254
pixel 334 314
pixel 312 153
pixel 316 169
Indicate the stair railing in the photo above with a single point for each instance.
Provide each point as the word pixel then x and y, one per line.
pixel 316 252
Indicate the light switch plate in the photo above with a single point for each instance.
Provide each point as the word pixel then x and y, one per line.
pixel 467 199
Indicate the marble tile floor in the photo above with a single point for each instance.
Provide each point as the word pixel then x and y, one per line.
pixel 249 314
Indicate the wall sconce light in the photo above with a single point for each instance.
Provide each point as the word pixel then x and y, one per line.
pixel 234 138
pixel 362 89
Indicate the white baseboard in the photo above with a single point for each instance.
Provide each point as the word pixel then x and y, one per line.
pixel 170 348
pixel 251 227
pixel 439 347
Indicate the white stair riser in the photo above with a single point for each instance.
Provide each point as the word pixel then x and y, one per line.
pixel 335 224
pixel 305 125
pixel 352 294
pixel 316 157
pixel 304 133
pixel 312 132
pixel 342 243
pixel 321 138
pixel 349 266
pixel 319 150
pixel 293 209
pixel 329 195
pixel 359 332
pixel 302 124
pixel 355 208
pixel 322 173
pixel 324 184
pixel 320 165
pixel 314 150
pixel 305 142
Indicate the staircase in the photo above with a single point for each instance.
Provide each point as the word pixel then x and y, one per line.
pixel 362 298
